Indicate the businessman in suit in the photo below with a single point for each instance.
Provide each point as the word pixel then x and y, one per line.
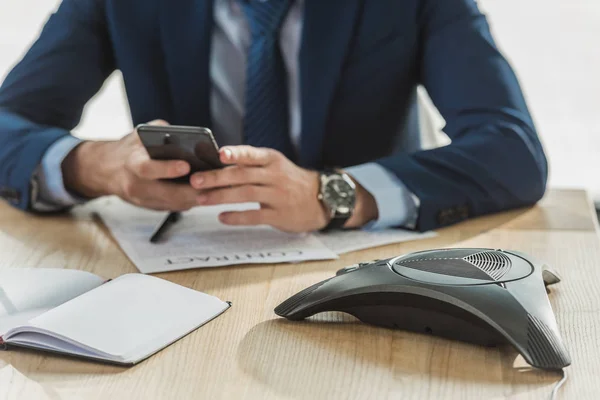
pixel 314 102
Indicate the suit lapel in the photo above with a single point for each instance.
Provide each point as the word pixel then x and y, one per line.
pixel 327 32
pixel 186 32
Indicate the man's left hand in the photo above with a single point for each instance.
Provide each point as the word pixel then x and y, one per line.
pixel 287 194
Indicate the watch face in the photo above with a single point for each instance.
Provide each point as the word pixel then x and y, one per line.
pixel 339 195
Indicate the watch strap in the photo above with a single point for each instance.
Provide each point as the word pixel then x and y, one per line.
pixel 336 223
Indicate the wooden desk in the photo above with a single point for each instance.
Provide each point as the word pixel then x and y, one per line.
pixel 250 353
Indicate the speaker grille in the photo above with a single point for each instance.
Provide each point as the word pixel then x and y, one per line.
pixel 493 263
pixel 446 266
pixel 442 254
pixel 545 348
pixel 487 265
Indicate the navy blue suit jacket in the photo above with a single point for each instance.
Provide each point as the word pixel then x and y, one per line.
pixel 360 63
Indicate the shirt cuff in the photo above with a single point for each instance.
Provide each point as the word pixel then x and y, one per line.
pixel 49 192
pixel 397 206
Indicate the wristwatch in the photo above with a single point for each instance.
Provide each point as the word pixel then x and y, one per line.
pixel 337 192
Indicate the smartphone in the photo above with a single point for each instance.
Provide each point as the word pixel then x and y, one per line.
pixel 196 145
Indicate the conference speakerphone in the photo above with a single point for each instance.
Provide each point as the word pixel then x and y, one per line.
pixel 482 296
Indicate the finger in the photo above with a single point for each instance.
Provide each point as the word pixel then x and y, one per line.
pixel 237 194
pixel 140 164
pixel 159 122
pixel 250 217
pixel 248 155
pixel 231 176
pixel 176 196
pixel 159 195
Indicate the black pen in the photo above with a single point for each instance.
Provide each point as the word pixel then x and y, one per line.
pixel 161 228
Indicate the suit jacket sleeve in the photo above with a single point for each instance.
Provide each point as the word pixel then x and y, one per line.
pixel 495 160
pixel 43 97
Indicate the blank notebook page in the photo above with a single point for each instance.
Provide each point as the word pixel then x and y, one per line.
pixel 26 293
pixel 132 316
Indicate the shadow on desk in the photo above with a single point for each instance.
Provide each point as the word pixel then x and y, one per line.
pixel 26 361
pixel 284 355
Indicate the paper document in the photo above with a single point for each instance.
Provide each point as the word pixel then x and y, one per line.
pixel 346 241
pixel 199 239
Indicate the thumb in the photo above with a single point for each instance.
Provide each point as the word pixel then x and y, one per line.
pixel 159 122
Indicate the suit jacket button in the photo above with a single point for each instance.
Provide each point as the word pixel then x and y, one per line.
pixel 462 212
pixel 452 215
pixel 444 217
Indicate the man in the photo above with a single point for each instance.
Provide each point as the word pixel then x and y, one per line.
pixel 330 85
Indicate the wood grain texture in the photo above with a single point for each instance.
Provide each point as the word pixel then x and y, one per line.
pixel 250 353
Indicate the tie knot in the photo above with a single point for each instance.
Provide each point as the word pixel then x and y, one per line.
pixel 265 17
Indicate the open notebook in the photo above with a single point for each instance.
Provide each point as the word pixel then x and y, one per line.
pixel 121 321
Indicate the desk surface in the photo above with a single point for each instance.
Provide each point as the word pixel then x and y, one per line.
pixel 250 353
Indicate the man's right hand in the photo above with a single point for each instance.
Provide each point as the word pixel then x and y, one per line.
pixel 123 168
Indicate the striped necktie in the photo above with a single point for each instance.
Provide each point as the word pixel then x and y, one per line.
pixel 266 119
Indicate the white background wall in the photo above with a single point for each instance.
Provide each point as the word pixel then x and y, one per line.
pixel 553 45
pixel 107 115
